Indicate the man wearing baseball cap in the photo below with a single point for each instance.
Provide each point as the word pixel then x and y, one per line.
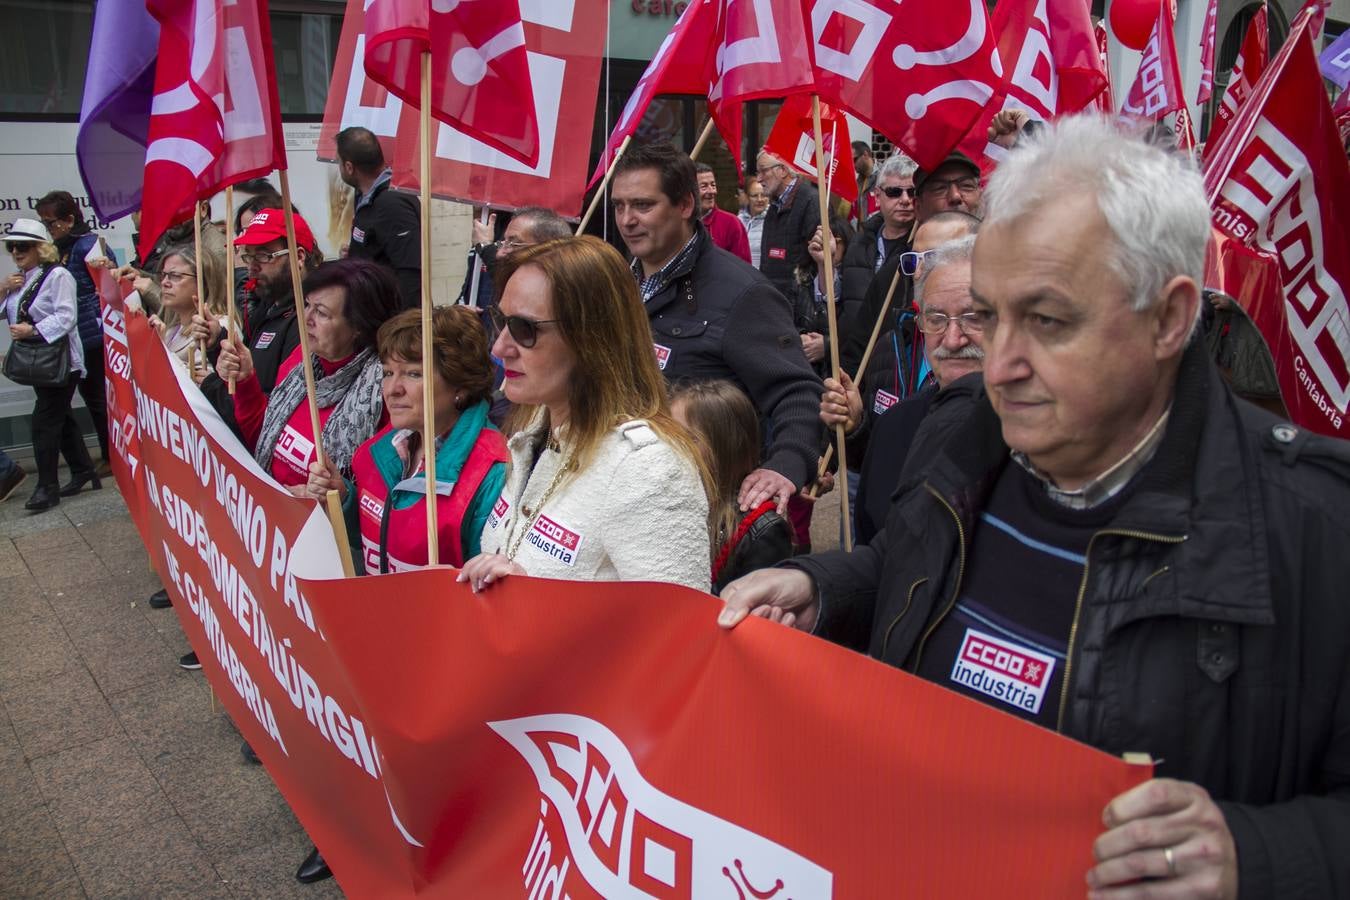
pixel 955 184
pixel 270 327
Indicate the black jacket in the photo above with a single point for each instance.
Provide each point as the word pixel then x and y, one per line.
pixel 864 316
pixel 717 317
pixel 272 333
pixel 787 231
pixel 388 230
pixel 1212 629
pixel 859 268
pixel 767 542
pixel 879 472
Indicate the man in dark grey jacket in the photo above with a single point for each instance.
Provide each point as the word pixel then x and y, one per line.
pixel 714 316
pixel 793 217
pixel 1165 563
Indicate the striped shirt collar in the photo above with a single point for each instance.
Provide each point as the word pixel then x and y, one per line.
pixel 1109 483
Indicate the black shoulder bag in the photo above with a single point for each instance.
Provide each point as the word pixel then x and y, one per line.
pixel 33 361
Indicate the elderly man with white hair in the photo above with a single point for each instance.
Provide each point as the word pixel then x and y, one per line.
pixel 1171 560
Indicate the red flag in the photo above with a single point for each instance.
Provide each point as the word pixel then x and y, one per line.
pixel 1106 100
pixel 1342 110
pixel 678 67
pixel 793 141
pixel 1054 67
pixel 480 75
pixel 921 74
pixel 1247 69
pixel 1277 182
pixel 1157 91
pixel 1207 53
pixel 758 51
pixel 215 119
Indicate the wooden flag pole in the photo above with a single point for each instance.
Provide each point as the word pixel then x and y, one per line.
pixel 428 356
pixel 862 367
pixel 230 311
pixel 604 183
pixel 703 138
pixel 201 277
pixel 307 365
pixel 828 261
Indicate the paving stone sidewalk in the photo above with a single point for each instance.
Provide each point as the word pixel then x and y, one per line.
pixel 119 777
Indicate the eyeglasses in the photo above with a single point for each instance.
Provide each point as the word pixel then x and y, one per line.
pixel 523 331
pixel 910 261
pixel 20 246
pixel 767 169
pixel 175 277
pixel 52 223
pixel 936 323
pixel 250 259
pixel 511 244
pixel 967 185
pixel 897 192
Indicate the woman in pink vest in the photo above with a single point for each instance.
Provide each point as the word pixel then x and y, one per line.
pixel 385 501
pixel 346 302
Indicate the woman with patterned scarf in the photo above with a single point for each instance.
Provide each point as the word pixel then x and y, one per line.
pixel 346 302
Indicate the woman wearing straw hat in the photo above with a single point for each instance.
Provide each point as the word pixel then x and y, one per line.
pixel 39 303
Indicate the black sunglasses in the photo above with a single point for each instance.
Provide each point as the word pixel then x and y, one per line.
pixel 523 331
pixel 20 246
pixel 896 192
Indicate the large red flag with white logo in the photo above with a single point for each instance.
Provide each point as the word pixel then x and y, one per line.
pixel 1156 92
pixel 677 67
pixel 921 73
pixel 793 140
pixel 1251 62
pixel 1052 65
pixel 1277 182
pixel 215 119
pixel 1207 34
pixel 480 75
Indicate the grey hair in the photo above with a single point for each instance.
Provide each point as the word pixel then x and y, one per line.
pixel 1153 201
pixel 545 224
pixel 897 165
pixel 954 251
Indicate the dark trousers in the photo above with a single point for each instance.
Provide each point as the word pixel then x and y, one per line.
pixel 55 434
pixel 94 392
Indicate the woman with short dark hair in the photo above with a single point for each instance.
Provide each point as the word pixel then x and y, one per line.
pixel 389 520
pixel 346 302
pixel 39 303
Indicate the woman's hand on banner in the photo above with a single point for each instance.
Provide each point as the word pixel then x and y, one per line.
pixel 324 477
pixel 234 361
pixel 486 568
pixel 785 596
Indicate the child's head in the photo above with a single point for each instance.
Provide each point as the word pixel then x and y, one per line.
pixel 724 423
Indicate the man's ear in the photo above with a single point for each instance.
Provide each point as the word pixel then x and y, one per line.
pixel 300 255
pixel 688 205
pixel 1174 317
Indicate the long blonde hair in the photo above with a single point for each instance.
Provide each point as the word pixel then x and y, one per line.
pixel 601 317
pixel 213 279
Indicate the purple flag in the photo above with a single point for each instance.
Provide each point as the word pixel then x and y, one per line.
pixel 1335 61
pixel 115 114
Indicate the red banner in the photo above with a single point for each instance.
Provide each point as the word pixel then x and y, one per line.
pixel 552 739
pixel 1251 62
pixel 1277 182
pixel 564 40
pixel 123 434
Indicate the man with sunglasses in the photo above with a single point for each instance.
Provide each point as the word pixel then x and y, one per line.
pixel 714 316
pixel 881 236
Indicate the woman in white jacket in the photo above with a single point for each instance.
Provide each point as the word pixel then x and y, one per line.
pixel 603 484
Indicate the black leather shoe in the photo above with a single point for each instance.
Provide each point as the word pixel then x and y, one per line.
pixel 45 497
pixel 189 661
pixel 159 600
pixel 249 756
pixel 313 868
pixel 77 483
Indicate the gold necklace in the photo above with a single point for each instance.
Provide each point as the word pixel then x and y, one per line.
pixel 529 515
